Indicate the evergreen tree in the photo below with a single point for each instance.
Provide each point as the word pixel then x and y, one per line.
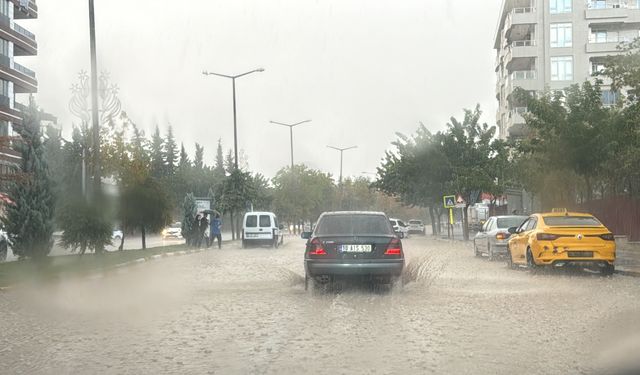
pixel 189 210
pixel 229 162
pixel 171 152
pixel 158 163
pixel 184 162
pixel 29 221
pixel 198 161
pixel 218 170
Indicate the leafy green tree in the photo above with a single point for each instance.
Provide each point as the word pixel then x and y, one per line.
pixel 184 162
pixel 84 226
pixel 219 170
pixel 29 221
pixel 234 193
pixel 198 161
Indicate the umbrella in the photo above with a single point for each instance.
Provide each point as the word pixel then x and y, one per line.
pixel 210 212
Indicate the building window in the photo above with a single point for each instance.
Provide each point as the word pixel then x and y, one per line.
pixel 560 6
pixel 561 35
pixel 4 87
pixel 4 7
pixel 597 67
pixel 562 68
pixel 609 98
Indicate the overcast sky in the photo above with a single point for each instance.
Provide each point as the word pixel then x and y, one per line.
pixel 361 70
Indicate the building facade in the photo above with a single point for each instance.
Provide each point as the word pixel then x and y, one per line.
pixel 552 44
pixel 17 82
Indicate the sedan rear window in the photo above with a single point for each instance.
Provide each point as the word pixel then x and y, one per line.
pixel 508 222
pixel 415 222
pixel 571 221
pixel 353 225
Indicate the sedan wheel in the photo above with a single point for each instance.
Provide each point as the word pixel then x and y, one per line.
pixel 490 252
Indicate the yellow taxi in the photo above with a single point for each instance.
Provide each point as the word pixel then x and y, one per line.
pixel 562 238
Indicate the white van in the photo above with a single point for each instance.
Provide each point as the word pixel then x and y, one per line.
pixel 261 228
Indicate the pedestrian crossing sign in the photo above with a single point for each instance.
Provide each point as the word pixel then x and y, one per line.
pixel 449 201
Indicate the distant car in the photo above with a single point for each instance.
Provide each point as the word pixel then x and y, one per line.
pixel 416 226
pixel 400 228
pixel 116 235
pixel 493 237
pixel 562 238
pixel 356 244
pixel 173 230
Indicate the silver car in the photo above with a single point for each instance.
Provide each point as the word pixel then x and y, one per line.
pixel 494 235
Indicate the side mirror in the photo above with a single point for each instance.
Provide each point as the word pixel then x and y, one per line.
pixel 281 227
pixel 513 230
pixel 306 235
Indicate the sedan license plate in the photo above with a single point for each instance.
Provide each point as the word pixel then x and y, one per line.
pixel 580 254
pixel 354 248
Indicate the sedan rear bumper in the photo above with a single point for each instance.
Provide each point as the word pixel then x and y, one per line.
pixel 334 268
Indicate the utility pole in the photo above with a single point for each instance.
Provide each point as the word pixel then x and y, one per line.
pixel 342 150
pixel 235 123
pixel 97 178
pixel 291 126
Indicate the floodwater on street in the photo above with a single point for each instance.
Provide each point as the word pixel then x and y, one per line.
pixel 235 311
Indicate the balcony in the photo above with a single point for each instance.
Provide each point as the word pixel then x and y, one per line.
pixel 23 12
pixel 606 44
pixel 7 113
pixel 520 16
pixel 608 9
pixel 24 79
pixel 23 40
pixel 526 79
pixel 518 50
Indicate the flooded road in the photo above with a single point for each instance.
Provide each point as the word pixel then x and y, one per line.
pixel 234 311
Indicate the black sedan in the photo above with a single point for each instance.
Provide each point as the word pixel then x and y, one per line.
pixel 352 244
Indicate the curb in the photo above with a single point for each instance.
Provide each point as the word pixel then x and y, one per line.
pixel 101 274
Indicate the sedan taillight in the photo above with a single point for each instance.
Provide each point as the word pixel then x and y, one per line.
pixel 317 248
pixel 502 236
pixel 394 247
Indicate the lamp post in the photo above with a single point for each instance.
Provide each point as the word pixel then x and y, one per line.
pixel 235 125
pixel 291 126
pixel 94 101
pixel 342 150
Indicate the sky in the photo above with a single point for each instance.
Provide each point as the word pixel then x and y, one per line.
pixel 361 70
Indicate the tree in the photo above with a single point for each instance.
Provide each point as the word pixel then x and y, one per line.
pixel 158 162
pixel 198 161
pixel 29 220
pixel 144 204
pixel 189 225
pixel 170 152
pixel 234 194
pixel 184 162
pixel 219 170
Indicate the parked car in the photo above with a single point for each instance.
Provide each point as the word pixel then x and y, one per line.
pixel 494 235
pixel 261 228
pixel 173 230
pixel 360 244
pixel 416 226
pixel 562 238
pixel 400 228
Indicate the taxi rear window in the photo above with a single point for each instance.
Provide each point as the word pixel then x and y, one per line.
pixel 571 221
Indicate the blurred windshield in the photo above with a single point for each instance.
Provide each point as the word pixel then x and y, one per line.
pixel 571 221
pixel 512 221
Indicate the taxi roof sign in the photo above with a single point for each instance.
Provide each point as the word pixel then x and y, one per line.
pixel 449 201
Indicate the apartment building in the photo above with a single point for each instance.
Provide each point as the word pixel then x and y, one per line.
pixel 552 44
pixel 17 82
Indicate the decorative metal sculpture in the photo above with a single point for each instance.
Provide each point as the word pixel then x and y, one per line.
pixel 79 105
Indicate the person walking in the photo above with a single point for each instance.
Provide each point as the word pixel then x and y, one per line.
pixel 202 228
pixel 216 230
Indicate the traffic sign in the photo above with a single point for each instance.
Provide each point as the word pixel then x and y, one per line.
pixel 449 201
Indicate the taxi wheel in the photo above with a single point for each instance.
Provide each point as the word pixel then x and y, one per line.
pixel 531 264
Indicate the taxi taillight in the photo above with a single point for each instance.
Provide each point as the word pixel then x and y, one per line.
pixel 608 237
pixel 317 247
pixel 546 237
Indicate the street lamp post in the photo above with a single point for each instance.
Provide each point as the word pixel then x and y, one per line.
pixel 342 150
pixel 291 126
pixel 94 101
pixel 235 124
